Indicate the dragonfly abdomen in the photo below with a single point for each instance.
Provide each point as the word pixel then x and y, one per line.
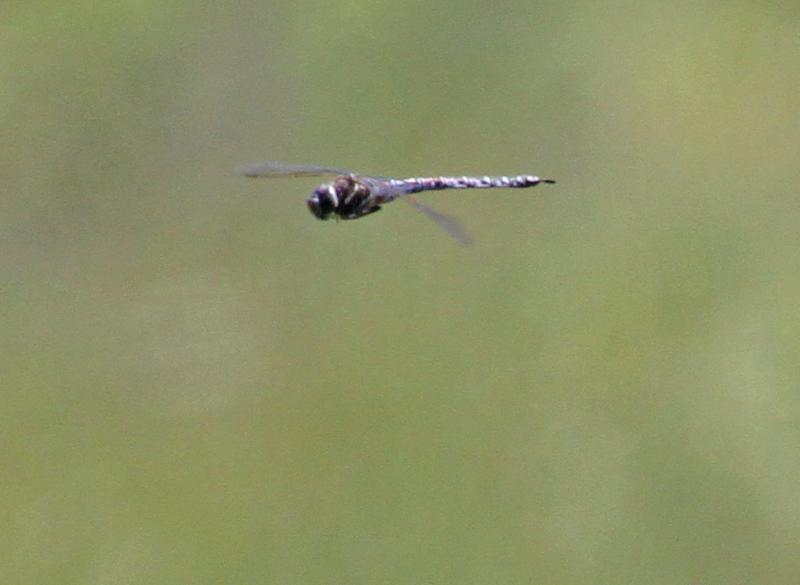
pixel 440 183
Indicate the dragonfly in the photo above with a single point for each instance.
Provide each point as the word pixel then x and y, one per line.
pixel 351 195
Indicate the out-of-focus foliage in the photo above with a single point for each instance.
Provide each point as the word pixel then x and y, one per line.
pixel 202 384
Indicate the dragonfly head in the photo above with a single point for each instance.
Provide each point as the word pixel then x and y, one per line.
pixel 323 201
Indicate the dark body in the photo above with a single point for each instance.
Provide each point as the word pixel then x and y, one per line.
pixel 351 196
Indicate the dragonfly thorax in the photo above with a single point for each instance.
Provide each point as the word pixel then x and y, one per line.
pixel 346 197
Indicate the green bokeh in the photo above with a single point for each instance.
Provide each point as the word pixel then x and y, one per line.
pixel 202 384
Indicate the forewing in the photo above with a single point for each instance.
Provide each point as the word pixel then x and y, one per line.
pixel 447 223
pixel 278 169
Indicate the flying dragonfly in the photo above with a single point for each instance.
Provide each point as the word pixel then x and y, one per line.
pixel 352 196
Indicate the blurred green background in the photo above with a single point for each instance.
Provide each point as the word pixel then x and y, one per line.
pixel 202 384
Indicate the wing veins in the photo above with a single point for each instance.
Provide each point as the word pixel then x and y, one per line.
pixel 452 226
pixel 278 169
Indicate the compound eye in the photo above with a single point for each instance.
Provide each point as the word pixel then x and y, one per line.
pixel 321 204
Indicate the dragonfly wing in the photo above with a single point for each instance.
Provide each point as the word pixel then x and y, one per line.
pixel 447 223
pixel 278 169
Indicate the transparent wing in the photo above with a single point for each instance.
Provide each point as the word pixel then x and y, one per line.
pixel 278 169
pixel 447 223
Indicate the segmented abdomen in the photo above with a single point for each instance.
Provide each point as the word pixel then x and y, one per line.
pixel 397 187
